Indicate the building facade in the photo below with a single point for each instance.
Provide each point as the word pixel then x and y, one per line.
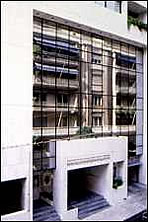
pixel 82 75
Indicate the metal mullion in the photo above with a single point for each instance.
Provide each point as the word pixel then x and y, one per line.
pixel 128 94
pixel 92 99
pixel 105 4
pixel 68 76
pixel 42 22
pixel 103 123
pixel 80 83
pixel 111 97
pixel 55 137
pixel 119 94
pixel 120 2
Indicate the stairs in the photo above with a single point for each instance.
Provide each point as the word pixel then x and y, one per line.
pixel 44 212
pixel 89 204
pixel 135 188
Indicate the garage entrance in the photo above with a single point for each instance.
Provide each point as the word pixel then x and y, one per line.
pixel 86 190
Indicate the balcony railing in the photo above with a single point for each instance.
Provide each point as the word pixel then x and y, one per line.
pixel 50 131
pixel 63 131
pixel 50 59
pixel 59 108
pixel 126 89
pixel 97 67
pixel 133 161
pixel 60 82
pixel 126 108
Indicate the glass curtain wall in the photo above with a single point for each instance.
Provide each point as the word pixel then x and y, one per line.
pixel 84 83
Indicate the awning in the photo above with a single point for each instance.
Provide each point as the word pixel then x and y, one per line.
pixel 125 58
pixel 57 44
pixel 38 66
pixel 134 163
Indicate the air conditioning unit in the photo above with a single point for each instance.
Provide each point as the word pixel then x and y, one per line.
pixel 47 179
pixel 46 194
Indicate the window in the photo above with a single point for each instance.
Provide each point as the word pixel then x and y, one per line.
pixel 62 99
pixel 96 59
pixel 97 121
pixel 37 96
pixel 113 5
pixel 13 197
pixel 97 101
pixel 125 61
pixel 100 121
pixel 44 96
pixel 64 121
pixel 100 3
pixel 38 121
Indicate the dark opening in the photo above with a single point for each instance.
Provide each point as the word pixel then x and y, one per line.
pixel 12 196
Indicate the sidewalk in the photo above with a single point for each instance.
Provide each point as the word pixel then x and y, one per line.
pixel 134 204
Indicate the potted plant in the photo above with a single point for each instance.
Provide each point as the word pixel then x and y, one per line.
pixel 117 181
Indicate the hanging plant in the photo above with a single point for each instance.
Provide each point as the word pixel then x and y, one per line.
pixel 136 22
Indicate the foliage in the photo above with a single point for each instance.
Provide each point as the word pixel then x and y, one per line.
pixel 85 131
pixel 137 22
pixel 117 182
pixel 36 139
pixel 36 49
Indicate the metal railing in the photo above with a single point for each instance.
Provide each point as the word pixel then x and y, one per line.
pixel 50 81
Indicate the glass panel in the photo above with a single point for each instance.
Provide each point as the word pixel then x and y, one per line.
pixel 114 5
pixel 139 81
pixel 139 122
pixel 139 140
pixel 100 3
pixel 98 83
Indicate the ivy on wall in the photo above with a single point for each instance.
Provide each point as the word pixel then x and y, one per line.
pixel 137 22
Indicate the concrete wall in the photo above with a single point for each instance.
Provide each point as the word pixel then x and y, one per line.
pixel 16 89
pixel 78 154
pixel 99 180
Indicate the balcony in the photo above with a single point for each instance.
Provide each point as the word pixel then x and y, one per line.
pixel 125 128
pixel 126 73
pixel 60 61
pixel 134 161
pixel 126 89
pixel 97 88
pixel 70 84
pixel 96 67
pixel 136 34
pixel 50 131
pixel 51 108
pixel 63 131
pixel 126 108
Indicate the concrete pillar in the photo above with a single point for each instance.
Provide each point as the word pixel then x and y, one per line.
pixel 143 168
pixel 60 184
pixel 114 90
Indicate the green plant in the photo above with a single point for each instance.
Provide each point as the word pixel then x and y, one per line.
pixel 137 22
pixel 36 140
pixel 36 49
pixel 85 131
pixel 117 182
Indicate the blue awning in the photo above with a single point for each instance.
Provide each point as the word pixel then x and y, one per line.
pixel 56 69
pixel 57 44
pixel 125 58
